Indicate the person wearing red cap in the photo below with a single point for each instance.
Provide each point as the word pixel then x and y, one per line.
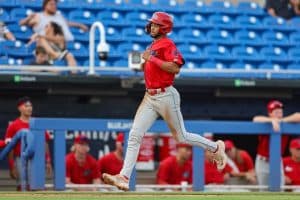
pixel 162 62
pixel 81 167
pixel 275 115
pixel 291 164
pixel 176 168
pixel 112 163
pixel 241 163
pixel 22 122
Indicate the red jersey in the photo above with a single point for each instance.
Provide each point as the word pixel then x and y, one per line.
pixel 165 50
pixel 264 142
pixel 84 174
pixel 12 130
pixel 212 174
pixel 110 164
pixel 292 170
pixel 171 172
pixel 244 162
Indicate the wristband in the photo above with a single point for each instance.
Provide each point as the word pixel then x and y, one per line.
pixel 156 61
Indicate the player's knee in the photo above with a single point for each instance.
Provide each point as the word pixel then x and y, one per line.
pixel 135 137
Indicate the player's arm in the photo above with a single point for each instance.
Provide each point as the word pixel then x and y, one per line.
pixel 170 67
pixel 30 20
pixel 275 122
pixel 292 118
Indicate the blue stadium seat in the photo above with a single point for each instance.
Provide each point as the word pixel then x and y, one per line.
pixel 193 5
pixel 294 54
pixel 219 36
pixel 171 6
pixel 250 8
pixel 80 35
pixel 21 32
pixel 295 22
pixel 82 16
pixel 98 62
pixel 4 16
pixel 223 7
pixel 192 35
pixel 195 20
pixel 11 61
pixel 7 4
pixel 17 14
pixel 222 21
pixel 125 48
pixel 275 38
pixel 271 66
pixel 212 65
pixel 135 35
pixel 275 54
pixel 112 18
pixel 16 49
pixel 249 38
pixel 140 5
pixel 138 18
pixel 190 51
pixel 278 24
pixel 191 64
pixel 242 65
pixel 245 21
pixel 78 50
pixel 218 52
pixel 295 38
pixel 294 66
pixel 113 35
pixel 68 5
pixel 247 54
pixel 34 4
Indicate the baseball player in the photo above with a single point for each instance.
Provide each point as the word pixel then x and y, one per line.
pixel 291 164
pixel 275 112
pixel 162 62
pixel 177 168
pixel 81 167
pixel 25 108
pixel 112 163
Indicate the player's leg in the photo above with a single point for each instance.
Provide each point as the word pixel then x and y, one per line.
pixel 170 111
pixel 262 170
pixel 144 118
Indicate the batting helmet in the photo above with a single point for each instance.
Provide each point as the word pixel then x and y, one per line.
pixel 274 104
pixel 163 19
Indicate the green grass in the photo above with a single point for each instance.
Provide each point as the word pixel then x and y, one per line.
pixel 145 196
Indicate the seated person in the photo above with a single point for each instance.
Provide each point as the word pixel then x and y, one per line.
pixel 5 34
pixel 280 8
pixel 178 168
pixel 212 174
pixel 54 43
pixel 291 164
pixel 41 57
pixel 241 163
pixel 112 163
pixel 81 167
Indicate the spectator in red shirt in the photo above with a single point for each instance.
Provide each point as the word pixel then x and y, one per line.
pixel 81 167
pixel 241 163
pixel 178 168
pixel 275 114
pixel 292 164
pixel 25 108
pixel 211 172
pixel 112 163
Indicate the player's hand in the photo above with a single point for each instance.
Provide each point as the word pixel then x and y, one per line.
pixel 276 124
pixel 146 55
pixel 287 180
pixel 250 177
pixel 13 173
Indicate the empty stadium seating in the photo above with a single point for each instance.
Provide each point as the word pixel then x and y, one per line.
pixel 241 36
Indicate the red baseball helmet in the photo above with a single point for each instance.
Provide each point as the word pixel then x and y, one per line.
pixel 164 20
pixel 274 104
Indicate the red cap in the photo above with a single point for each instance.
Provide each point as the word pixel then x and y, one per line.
pixel 274 104
pixel 164 20
pixel 120 138
pixel 228 144
pixel 81 139
pixel 2 144
pixel 179 145
pixel 295 143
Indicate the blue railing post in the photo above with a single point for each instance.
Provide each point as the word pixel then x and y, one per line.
pixel 37 166
pixel 59 160
pixel 275 161
pixel 198 169
pixel 24 163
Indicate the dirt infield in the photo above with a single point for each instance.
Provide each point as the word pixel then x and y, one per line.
pixel 145 196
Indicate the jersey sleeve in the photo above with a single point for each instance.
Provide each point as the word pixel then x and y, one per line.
pixel 68 167
pixel 10 131
pixel 95 170
pixel 172 54
pixel 162 173
pixel 248 161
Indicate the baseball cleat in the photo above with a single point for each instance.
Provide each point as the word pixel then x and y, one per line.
pixel 219 156
pixel 120 181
